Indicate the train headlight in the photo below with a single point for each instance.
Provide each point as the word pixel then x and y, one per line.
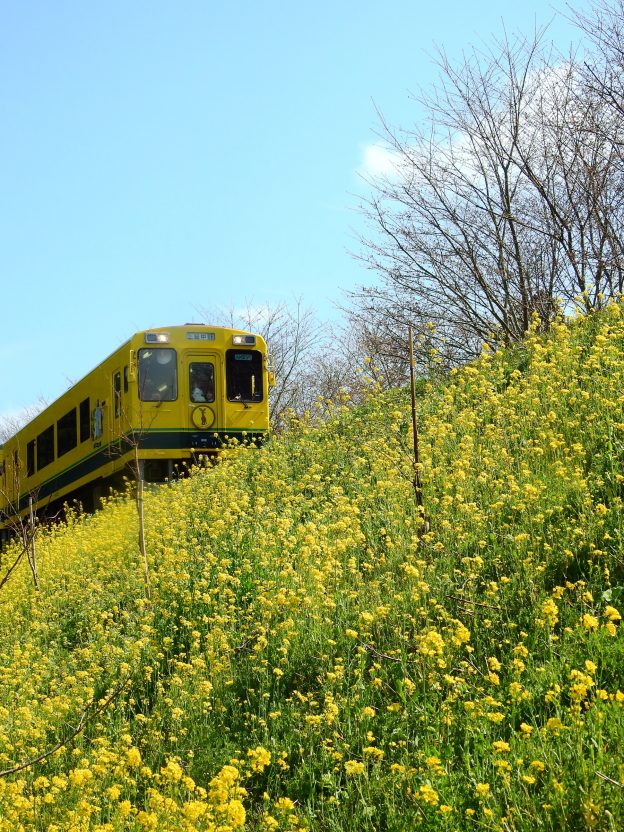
pixel 244 340
pixel 156 337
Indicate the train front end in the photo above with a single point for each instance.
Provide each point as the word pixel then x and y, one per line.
pixel 193 390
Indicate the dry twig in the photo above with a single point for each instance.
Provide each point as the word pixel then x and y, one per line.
pixel 85 718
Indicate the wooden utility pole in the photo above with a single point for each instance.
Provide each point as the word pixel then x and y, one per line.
pixel 416 481
pixel 139 468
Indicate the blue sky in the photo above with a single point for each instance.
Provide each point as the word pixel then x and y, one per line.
pixel 157 158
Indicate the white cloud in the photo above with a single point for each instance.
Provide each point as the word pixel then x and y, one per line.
pixel 378 160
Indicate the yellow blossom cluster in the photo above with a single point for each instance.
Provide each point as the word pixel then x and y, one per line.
pixel 320 651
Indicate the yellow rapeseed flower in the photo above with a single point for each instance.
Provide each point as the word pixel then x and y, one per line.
pixel 172 771
pixel 133 757
pixel 428 795
pixel 590 622
pixel 550 611
pixel 555 725
pixel 259 758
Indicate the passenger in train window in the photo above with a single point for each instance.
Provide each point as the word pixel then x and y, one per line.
pixel 202 381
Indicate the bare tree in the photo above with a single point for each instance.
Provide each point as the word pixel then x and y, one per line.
pixel 11 423
pixel 377 344
pixel 18 524
pixel 576 174
pixel 603 25
pixel 501 204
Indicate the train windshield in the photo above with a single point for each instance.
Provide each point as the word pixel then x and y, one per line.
pixel 158 375
pixel 244 375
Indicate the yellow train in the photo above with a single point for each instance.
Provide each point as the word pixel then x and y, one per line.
pixel 164 397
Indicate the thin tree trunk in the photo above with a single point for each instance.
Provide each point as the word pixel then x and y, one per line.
pixel 139 502
pixel 32 551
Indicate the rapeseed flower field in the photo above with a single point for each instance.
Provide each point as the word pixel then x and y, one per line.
pixel 314 654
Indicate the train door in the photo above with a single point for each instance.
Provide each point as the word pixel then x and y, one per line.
pixel 204 390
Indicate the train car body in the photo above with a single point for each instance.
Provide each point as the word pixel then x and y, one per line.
pixel 164 397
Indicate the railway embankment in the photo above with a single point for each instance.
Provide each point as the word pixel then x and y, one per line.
pixel 311 656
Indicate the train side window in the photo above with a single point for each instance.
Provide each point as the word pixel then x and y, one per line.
pixel 243 372
pixel 67 432
pixel 158 375
pixel 201 381
pixel 45 448
pixel 117 394
pixel 85 420
pixel 30 458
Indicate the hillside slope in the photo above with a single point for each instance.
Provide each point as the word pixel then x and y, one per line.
pixel 308 661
